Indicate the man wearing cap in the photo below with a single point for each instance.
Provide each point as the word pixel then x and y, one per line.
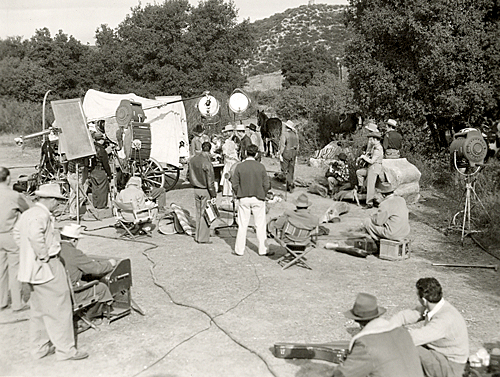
pixel 133 194
pixel 250 185
pixel 51 324
pixel 301 218
pixel 442 342
pixel 393 140
pixel 289 147
pixel 100 174
pixel 202 178
pixel 12 204
pixel 373 157
pixel 391 220
pixel 380 349
pixel 78 264
pixel 338 174
pixel 198 139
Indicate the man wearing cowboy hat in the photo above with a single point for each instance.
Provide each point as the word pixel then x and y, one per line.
pixel 301 218
pixel 51 324
pixel 289 147
pixel 443 341
pixel 373 158
pixel 380 349
pixel 393 140
pixel 391 220
pixel 78 264
pixel 198 139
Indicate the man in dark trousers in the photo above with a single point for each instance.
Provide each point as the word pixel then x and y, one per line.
pixel 251 184
pixel 202 178
pixel 289 147
pixel 245 141
pixel 100 174
pixel 78 264
pixel 12 204
pixel 380 349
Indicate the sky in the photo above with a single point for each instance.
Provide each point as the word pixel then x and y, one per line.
pixel 81 18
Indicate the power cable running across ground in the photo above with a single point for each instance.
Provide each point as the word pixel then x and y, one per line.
pixel 180 304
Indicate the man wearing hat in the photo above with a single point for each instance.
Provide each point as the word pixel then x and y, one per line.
pixel 198 139
pixel 245 141
pixel 51 324
pixel 393 140
pixel 256 139
pixel 391 220
pixel 373 158
pixel 12 204
pixel 301 218
pixel 230 153
pixel 133 194
pixel 289 147
pixel 380 349
pixel 338 174
pixel 100 174
pixel 78 264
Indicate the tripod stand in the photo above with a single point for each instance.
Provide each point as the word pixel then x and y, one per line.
pixel 470 193
pixel 234 221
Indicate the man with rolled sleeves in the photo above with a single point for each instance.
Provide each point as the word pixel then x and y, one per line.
pixel 51 323
pixel 289 148
pixel 12 204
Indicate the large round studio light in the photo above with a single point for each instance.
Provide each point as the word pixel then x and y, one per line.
pixel 239 101
pixel 208 106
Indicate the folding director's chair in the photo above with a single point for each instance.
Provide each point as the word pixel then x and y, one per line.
pixel 127 217
pixel 79 308
pixel 297 242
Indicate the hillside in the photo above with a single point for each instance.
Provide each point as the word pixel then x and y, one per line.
pixel 307 24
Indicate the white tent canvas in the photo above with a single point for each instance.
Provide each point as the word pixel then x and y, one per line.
pixel 168 123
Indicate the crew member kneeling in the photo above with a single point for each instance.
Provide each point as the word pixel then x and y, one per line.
pixel 391 220
pixel 78 264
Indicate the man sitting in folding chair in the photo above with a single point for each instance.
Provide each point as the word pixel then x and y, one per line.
pixel 135 208
pixel 296 231
pixel 78 264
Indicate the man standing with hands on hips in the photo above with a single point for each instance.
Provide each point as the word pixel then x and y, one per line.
pixel 251 184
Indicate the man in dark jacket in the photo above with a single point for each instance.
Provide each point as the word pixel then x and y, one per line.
pixel 202 178
pixel 251 184
pixel 78 264
pixel 393 141
pixel 379 349
pixel 289 147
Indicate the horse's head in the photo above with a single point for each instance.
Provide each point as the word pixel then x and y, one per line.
pixel 261 119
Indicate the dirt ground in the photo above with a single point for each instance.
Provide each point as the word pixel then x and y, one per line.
pixel 209 313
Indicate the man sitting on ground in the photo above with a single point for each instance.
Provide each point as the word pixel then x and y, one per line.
pixel 442 342
pixel 380 348
pixel 78 264
pixel 338 175
pixel 391 220
pixel 300 218
pixel 133 194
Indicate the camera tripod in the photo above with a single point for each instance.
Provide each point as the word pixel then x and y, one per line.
pixel 470 193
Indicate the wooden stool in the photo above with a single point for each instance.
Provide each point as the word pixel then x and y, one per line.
pixel 395 250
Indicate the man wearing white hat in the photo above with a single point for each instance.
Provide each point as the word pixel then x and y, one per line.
pixel 230 153
pixel 78 264
pixel 51 324
pixel 393 141
pixel 289 147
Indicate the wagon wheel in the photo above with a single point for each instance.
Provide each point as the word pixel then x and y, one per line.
pixel 152 174
pixel 172 174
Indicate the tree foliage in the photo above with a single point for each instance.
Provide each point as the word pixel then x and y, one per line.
pixel 428 61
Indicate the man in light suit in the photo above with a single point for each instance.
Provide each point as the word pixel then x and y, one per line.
pixel 51 324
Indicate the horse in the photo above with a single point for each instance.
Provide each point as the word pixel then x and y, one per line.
pixel 270 130
pixel 334 123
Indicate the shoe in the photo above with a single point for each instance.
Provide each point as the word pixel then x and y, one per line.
pixel 21 309
pixel 80 355
pixel 238 255
pixel 51 351
pixel 268 254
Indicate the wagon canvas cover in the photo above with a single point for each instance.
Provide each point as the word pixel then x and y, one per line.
pixel 168 123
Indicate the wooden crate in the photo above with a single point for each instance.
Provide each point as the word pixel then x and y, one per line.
pixel 394 250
